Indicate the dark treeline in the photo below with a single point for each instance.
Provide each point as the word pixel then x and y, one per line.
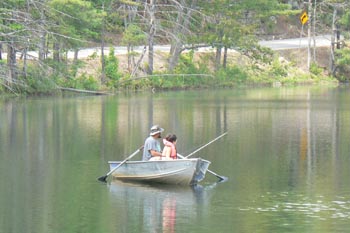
pixel 36 36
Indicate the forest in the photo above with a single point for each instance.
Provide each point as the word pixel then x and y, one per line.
pixel 36 36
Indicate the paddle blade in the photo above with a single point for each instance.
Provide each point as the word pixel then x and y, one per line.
pixel 222 179
pixel 103 179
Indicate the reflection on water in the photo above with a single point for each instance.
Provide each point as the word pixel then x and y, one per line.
pixel 318 207
pixel 286 155
pixel 160 207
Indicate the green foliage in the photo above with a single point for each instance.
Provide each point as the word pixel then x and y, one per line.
pixel 186 64
pixel 65 76
pixel 315 69
pixel 78 21
pixel 82 82
pixel 58 68
pixel 75 66
pixel 112 69
pixel 194 72
pixel 235 24
pixel 12 4
pixel 94 55
pixel 343 57
pixel 37 84
pixel 133 35
pixel 278 69
pixel 259 54
pixel 345 20
pixel 85 82
pixel 16 26
pixel 231 76
pixel 70 24
pixel 342 63
pixel 36 81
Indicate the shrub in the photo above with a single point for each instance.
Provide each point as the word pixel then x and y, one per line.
pixel 315 69
pixel 111 68
pixel 232 75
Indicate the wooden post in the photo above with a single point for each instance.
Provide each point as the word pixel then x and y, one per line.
pixel 314 31
pixel 309 37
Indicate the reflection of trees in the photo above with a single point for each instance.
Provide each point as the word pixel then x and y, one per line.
pixel 150 110
pixel 159 208
pixel 52 148
pixel 221 115
pixel 322 137
pixel 44 139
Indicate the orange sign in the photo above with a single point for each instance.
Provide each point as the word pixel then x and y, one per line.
pixel 304 18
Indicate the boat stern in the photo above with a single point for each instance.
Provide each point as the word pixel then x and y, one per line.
pixel 201 169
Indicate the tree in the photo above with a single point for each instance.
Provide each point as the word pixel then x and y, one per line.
pixel 185 21
pixel 16 33
pixel 72 27
pixel 133 36
pixel 334 14
pixel 236 25
pixel 340 55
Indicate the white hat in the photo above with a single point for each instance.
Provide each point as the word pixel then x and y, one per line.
pixel 156 129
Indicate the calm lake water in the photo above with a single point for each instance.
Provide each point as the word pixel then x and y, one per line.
pixel 286 154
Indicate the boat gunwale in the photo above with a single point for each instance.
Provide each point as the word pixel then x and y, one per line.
pixel 152 161
pixel 153 176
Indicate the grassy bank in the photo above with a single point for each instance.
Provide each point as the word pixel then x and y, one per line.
pixel 195 70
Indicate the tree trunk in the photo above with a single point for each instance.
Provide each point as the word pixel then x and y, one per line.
pixel 152 32
pixel 224 63
pixel 332 59
pixel 180 30
pixel 25 62
pixel 337 36
pixel 128 47
pixel 150 56
pixel 42 38
pixel 314 31
pixel 218 57
pixel 103 62
pixel 176 50
pixel 176 45
pixel 76 54
pixel 42 46
pixel 136 66
pixel 56 51
pixel 11 63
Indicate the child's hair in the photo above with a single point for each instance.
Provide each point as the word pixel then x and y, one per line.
pixel 171 137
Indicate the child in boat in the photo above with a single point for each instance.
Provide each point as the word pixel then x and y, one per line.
pixel 169 150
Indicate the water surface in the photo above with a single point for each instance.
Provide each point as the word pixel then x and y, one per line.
pixel 286 155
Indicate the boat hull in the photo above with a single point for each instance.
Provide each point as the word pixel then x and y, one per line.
pixel 179 172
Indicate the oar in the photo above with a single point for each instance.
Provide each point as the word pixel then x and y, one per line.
pixel 206 145
pixel 221 178
pixel 103 178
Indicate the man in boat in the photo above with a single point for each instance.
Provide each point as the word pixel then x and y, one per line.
pixel 152 147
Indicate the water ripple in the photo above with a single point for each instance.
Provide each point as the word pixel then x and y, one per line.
pixel 320 208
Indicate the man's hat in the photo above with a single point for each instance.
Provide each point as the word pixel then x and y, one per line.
pixel 155 130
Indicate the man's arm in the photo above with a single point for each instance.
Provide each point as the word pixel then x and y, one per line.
pixel 155 153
